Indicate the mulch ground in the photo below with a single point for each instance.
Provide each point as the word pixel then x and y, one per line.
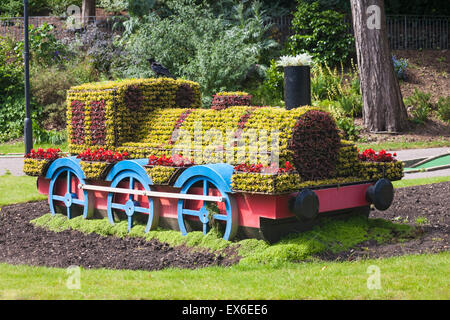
pixel 22 243
pixel 411 205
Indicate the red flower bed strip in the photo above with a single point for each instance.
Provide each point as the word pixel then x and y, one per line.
pixel 102 155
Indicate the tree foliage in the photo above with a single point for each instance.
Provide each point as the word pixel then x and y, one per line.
pixel 324 34
pixel 393 7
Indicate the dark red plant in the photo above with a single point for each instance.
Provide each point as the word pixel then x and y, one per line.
pixel 133 97
pixel 315 143
pixel 221 102
pixel 98 122
pixel 78 134
pixel 184 96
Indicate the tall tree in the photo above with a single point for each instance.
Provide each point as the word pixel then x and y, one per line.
pixel 383 108
pixel 88 10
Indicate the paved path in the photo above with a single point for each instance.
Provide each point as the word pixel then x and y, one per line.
pixel 412 154
pixel 11 164
pixel 428 174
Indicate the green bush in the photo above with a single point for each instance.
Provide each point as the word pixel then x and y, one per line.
pixel 443 108
pixel 51 99
pixel 322 33
pixel 333 85
pixel 14 8
pixel 114 6
pixel 12 115
pixel 419 105
pixel 12 105
pixel 45 48
pixel 11 70
pixel 59 7
pixel 216 52
pixel 53 137
pixel 271 90
pixel 344 122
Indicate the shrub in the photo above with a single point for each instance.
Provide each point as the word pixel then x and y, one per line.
pixel 443 108
pixel 211 50
pixel 348 127
pixel 14 8
pixel 97 48
pixel 400 66
pixel 52 98
pixel 342 88
pixel 45 48
pixel 322 33
pixel 345 123
pixel 12 115
pixel 419 105
pixel 114 6
pixel 12 102
pixel 11 70
pixel 53 137
pixel 273 85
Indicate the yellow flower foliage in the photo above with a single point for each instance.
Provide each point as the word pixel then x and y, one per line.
pixel 35 167
pixel 234 93
pixel 129 105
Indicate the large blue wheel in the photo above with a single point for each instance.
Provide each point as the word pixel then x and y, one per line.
pixel 63 188
pixel 129 203
pixel 225 212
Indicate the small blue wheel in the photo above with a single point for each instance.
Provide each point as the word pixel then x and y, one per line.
pixel 128 203
pixel 63 188
pixel 225 211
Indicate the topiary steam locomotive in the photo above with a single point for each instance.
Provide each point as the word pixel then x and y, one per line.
pixel 145 150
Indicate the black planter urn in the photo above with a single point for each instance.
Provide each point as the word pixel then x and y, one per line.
pixel 297 86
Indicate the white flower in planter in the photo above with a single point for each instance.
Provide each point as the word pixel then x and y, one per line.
pixel 302 59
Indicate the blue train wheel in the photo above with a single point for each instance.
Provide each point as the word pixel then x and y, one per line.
pixel 63 189
pixel 130 203
pixel 224 212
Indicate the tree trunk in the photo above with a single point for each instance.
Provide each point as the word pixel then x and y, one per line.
pixel 88 11
pixel 383 108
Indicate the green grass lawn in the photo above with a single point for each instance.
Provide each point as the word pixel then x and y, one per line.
pixel 15 189
pixel 402 145
pixel 419 181
pixel 19 147
pixel 407 277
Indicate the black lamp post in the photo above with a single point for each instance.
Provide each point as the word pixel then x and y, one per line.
pixel 28 130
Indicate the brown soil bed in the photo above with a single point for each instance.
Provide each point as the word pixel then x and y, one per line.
pixel 23 243
pixel 411 205
pixel 428 71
